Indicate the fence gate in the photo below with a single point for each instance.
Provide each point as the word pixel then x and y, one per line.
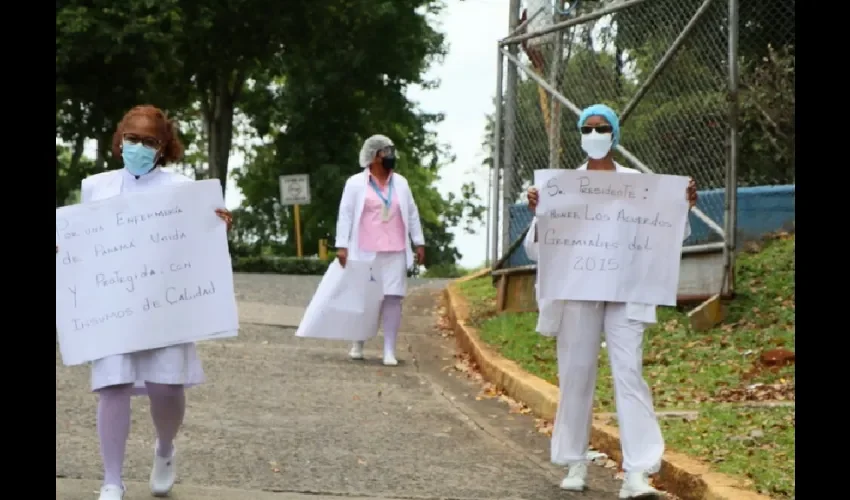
pixel 668 67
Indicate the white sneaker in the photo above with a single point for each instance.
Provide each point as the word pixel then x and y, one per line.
pixel 111 492
pixel 576 479
pixel 389 359
pixel 636 485
pixel 163 474
pixel 356 351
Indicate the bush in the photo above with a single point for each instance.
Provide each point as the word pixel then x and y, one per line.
pixel 279 265
pixel 294 265
pixel 444 271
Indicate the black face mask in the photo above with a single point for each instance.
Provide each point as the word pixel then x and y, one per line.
pixel 388 162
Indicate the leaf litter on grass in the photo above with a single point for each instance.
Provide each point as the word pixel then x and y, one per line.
pixel 684 368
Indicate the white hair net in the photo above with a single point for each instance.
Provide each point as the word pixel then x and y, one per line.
pixel 371 147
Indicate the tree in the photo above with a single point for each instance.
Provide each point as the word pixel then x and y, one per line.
pixel 314 79
pixel 335 92
pixel 109 57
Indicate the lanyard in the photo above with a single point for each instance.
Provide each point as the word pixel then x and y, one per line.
pixel 388 200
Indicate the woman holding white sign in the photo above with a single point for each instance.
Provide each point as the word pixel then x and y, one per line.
pixel 377 220
pixel 144 141
pixel 578 326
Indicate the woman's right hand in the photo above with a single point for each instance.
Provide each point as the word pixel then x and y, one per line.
pixel 342 256
pixel 533 197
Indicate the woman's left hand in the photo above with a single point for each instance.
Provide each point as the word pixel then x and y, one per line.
pixel 226 216
pixel 691 193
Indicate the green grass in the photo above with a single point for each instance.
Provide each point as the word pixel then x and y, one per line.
pixel 754 443
pixel 686 369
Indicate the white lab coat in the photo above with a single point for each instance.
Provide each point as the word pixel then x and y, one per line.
pixel 351 211
pixel 177 364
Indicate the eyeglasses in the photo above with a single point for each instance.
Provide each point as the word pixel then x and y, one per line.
pixel 148 142
pixel 600 129
pixel 388 152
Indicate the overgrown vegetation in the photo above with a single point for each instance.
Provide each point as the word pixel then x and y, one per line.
pixel 704 371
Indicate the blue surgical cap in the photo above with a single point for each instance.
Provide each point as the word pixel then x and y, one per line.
pixel 605 112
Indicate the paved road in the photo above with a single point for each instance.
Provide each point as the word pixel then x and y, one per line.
pixel 293 419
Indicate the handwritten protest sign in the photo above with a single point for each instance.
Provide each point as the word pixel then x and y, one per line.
pixel 142 271
pixel 610 236
pixel 347 304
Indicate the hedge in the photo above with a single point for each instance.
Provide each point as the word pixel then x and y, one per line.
pixel 280 265
pixel 288 265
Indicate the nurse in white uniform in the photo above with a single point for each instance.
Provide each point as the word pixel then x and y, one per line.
pixel 145 140
pixel 578 326
pixel 377 220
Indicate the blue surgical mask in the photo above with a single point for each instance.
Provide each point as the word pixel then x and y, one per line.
pixel 138 158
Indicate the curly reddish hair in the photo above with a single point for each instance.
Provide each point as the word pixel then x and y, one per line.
pixel 167 133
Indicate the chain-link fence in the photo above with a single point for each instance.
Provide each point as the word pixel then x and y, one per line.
pixel 704 88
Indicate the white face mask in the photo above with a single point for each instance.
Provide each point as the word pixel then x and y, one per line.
pixel 596 145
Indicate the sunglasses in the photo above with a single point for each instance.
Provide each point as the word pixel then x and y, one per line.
pixel 600 129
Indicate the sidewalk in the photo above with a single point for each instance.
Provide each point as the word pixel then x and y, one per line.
pixel 297 419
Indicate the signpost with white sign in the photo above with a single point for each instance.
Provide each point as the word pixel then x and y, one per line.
pixel 295 191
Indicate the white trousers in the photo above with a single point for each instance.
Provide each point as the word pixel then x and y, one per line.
pixel 578 344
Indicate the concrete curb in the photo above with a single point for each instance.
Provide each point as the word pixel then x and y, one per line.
pixel 681 475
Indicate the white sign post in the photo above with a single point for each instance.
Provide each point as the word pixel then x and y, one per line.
pixel 295 190
pixel 610 237
pixel 143 271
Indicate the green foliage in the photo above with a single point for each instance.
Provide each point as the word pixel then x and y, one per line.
pixel 448 270
pixel 313 78
pixel 757 444
pixel 768 117
pixel 279 265
pixel 680 125
pixel 318 125
pixel 71 168
pixel 109 57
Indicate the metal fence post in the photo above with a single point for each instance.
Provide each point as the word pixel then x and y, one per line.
pixel 497 162
pixel 508 160
pixel 554 105
pixel 731 202
pixel 488 234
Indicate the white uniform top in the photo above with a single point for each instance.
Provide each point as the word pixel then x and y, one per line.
pixel 551 311
pixel 178 364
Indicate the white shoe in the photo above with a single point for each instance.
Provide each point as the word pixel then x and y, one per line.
pixel 111 492
pixel 389 359
pixel 636 485
pixel 356 351
pixel 163 474
pixel 576 479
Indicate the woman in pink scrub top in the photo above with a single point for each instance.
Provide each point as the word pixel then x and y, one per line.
pixel 378 218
